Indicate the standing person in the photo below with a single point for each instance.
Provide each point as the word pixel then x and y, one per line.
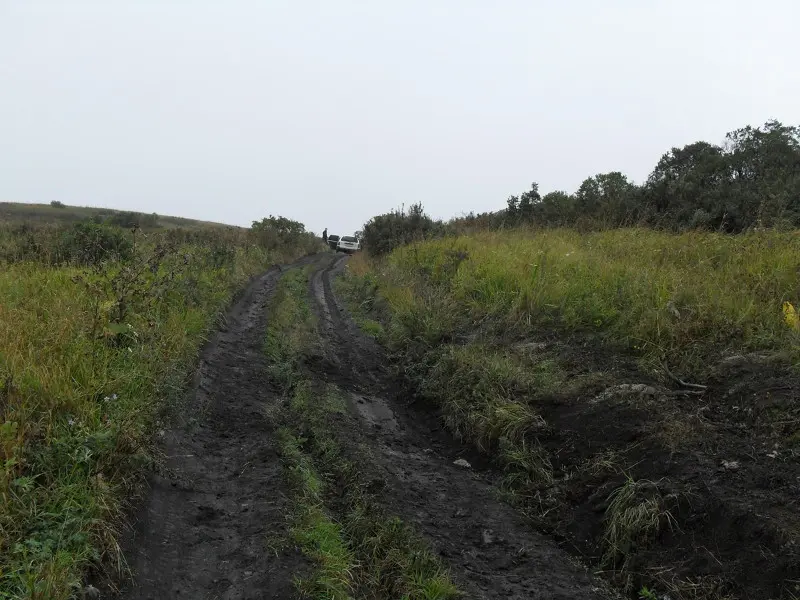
pixel 325 236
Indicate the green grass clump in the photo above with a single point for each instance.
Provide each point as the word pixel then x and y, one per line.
pixel 291 333
pixel 634 517
pixel 317 534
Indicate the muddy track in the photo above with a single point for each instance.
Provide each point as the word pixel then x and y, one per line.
pixel 492 551
pixel 204 529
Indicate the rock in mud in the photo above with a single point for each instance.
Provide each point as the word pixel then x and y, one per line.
pixel 90 593
pixel 462 463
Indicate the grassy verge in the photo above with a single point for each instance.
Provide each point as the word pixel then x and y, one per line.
pixel 534 345
pixel 359 551
pixel 89 359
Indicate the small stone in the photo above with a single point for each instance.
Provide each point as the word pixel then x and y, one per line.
pixel 460 513
pixel 91 593
pixel 730 465
pixel 462 463
pixel 487 537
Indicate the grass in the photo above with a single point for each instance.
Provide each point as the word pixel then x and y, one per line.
pixel 359 551
pixel 320 537
pixel 635 516
pixel 498 328
pixel 683 299
pixel 90 359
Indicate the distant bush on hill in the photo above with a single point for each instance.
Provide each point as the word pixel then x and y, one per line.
pixel 384 233
pixel 273 233
pixel 91 244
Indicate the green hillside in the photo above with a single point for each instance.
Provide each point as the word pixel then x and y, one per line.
pixel 55 213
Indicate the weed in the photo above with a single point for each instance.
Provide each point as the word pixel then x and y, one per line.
pixel 634 517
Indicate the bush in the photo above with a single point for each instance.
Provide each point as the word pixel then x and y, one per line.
pixel 384 233
pixel 57 204
pixel 278 233
pixel 91 244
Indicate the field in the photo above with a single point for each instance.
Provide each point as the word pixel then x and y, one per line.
pixel 499 415
pixel 638 390
pixel 47 214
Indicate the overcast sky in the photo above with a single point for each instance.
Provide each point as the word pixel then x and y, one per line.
pixel 330 112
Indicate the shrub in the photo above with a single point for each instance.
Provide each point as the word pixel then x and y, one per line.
pixel 90 244
pixel 384 233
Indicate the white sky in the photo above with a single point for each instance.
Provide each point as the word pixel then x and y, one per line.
pixel 330 112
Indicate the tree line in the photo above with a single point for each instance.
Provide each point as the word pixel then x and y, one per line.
pixel 751 180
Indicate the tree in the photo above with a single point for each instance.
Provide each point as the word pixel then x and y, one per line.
pixel 512 208
pixel 273 232
pixel 557 209
pixel 528 202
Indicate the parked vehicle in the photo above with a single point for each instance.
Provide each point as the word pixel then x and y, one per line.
pixel 333 240
pixel 349 244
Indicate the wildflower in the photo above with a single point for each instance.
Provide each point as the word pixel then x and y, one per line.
pixel 790 316
pixel 71 422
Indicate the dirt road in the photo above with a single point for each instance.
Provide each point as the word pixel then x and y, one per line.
pixel 209 524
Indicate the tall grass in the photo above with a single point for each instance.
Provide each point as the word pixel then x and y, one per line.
pixel 683 299
pixel 89 360
pixel 464 317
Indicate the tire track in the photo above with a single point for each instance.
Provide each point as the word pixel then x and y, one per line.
pixel 203 530
pixel 492 551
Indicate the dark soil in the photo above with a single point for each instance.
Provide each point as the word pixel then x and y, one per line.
pixel 204 530
pixel 723 463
